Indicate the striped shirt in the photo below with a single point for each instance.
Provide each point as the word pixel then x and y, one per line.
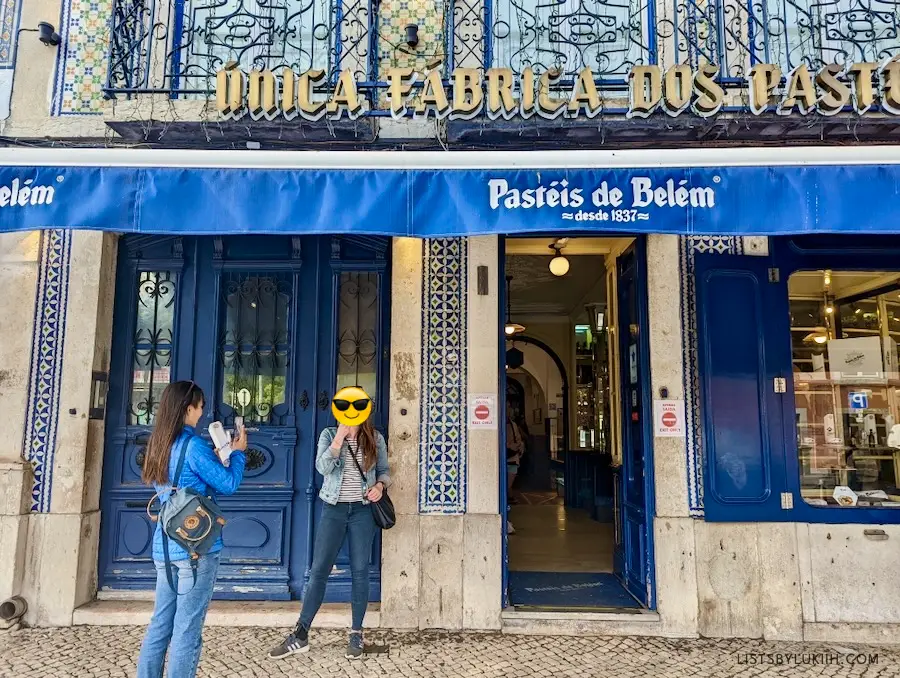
pixel 351 480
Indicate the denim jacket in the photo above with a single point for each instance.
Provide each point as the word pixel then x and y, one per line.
pixel 332 467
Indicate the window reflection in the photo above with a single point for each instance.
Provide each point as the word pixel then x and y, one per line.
pixel 357 350
pixel 844 329
pixel 255 345
pixel 152 344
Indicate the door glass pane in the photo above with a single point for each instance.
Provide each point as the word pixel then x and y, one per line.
pixel 152 344
pixel 255 346
pixel 847 388
pixel 357 353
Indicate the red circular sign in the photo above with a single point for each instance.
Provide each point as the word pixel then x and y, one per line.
pixel 482 412
pixel 669 420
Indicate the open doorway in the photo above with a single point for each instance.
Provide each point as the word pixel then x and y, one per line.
pixel 566 431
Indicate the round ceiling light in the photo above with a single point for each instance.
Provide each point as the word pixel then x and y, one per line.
pixel 559 265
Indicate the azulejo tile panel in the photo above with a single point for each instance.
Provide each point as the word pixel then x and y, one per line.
pixel 82 58
pixel 443 452
pixel 690 247
pixel 9 26
pixel 51 301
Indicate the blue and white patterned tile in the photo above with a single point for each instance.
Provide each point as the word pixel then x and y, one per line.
pixel 690 247
pixel 82 57
pixel 10 12
pixel 48 342
pixel 443 451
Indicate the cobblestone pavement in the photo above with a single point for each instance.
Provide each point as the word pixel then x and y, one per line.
pixel 110 652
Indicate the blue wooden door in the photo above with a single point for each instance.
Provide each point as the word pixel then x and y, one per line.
pixel 256 321
pixel 744 346
pixel 633 558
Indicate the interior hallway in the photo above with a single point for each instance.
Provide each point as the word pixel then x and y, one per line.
pixel 551 538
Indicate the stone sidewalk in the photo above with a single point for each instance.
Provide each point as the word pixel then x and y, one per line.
pixel 110 652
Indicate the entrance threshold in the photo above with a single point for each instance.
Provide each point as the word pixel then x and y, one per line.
pixel 233 613
pixel 569 623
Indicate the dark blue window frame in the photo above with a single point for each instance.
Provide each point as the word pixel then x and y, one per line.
pixel 787 256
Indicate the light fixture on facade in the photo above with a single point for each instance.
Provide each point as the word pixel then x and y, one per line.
pixel 511 328
pixel 559 265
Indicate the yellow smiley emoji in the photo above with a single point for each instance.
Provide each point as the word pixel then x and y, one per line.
pixel 351 406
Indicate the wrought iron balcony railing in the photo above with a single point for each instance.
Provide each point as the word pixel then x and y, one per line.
pixel 176 47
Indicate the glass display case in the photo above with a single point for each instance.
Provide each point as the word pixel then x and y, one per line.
pixel 844 329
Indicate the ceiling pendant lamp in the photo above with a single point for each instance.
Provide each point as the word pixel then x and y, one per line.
pixel 511 328
pixel 559 265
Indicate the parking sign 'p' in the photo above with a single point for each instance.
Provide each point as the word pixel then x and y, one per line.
pixel 859 400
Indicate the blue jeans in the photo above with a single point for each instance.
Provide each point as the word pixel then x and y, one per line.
pixel 355 522
pixel 177 623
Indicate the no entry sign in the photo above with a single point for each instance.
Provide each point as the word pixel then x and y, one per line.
pixel 483 411
pixel 668 418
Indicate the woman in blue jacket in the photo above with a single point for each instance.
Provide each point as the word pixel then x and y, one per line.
pixel 346 513
pixel 177 623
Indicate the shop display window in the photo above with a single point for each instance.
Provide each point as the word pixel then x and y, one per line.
pixel 845 326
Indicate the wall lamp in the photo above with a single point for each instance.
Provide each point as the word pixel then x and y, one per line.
pixel 47 34
pixel 412 35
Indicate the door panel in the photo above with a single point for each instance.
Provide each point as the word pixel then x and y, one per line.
pixel 743 451
pixel 634 555
pixel 250 319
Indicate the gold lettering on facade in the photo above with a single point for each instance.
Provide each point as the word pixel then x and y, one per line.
pixel 500 100
pixel 889 80
pixel 468 97
pixel 288 94
pixel 345 98
pixel 547 105
pixel 502 94
pixel 645 90
pixel 526 87
pixel 230 93
pixel 710 95
pixel 309 108
pixel 678 89
pixel 800 94
pixel 263 95
pixel 861 85
pixel 835 93
pixel 433 97
pixel 400 82
pixel 584 95
pixel 763 80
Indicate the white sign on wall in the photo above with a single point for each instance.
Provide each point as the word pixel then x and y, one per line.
pixel 668 418
pixel 483 411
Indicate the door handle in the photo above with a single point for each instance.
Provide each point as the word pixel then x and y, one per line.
pixel 322 401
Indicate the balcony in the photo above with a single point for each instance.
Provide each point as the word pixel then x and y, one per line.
pixel 173 49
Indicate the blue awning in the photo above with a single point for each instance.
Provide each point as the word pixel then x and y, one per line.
pixel 706 192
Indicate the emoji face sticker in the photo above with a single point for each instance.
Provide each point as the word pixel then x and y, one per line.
pixel 351 406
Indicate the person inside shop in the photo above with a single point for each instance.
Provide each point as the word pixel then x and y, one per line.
pixel 177 457
pixel 515 448
pixel 352 458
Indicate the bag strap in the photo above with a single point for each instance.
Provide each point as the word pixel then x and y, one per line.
pixel 356 461
pixel 182 453
pixel 181 457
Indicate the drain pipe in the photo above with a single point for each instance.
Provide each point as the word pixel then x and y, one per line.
pixel 11 612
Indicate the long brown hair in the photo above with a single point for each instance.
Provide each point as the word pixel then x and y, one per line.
pixel 366 438
pixel 173 405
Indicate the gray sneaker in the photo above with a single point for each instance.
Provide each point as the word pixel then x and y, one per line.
pixel 355 645
pixel 297 641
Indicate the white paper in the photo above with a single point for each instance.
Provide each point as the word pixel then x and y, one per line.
pixel 483 411
pixel 668 418
pixel 221 441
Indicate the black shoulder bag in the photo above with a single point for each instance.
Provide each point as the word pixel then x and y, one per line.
pixel 383 509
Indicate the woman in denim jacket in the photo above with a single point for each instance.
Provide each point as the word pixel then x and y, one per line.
pixel 346 514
